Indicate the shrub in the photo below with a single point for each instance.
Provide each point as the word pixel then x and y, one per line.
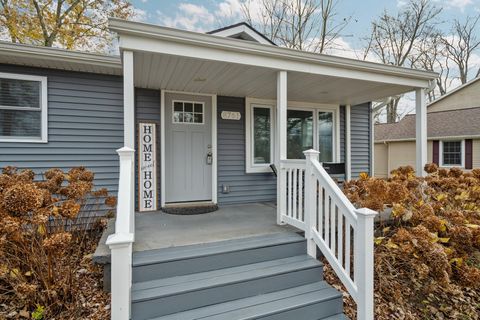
pixel 41 244
pixel 428 254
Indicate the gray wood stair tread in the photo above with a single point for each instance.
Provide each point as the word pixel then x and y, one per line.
pixel 262 305
pixel 178 253
pixel 147 290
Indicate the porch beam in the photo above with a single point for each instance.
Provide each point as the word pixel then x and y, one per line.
pixel 281 143
pixel 273 58
pixel 128 101
pixel 421 131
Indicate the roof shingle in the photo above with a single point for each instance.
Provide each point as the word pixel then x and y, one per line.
pixel 454 123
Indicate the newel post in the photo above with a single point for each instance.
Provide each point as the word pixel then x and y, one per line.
pixel 364 262
pixel 310 200
pixel 127 160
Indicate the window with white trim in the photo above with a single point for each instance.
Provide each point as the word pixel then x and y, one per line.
pixel 452 154
pixel 260 129
pixel 308 127
pixel 23 108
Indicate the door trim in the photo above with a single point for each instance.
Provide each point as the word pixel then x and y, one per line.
pixel 162 142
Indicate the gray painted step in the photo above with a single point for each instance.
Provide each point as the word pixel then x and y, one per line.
pixel 177 294
pixel 308 302
pixel 170 262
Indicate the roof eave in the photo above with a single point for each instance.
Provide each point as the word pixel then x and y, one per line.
pixel 112 64
pixel 175 35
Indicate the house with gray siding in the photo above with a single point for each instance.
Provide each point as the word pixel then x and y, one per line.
pixel 223 120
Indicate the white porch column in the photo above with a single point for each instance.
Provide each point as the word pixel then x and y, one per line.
pixel 421 131
pixel 281 143
pixel 129 116
pixel 128 101
pixel 348 144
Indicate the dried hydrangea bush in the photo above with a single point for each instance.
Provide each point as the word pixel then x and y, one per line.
pixel 45 267
pixel 427 255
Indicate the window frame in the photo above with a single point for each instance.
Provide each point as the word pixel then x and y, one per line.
pixel 253 167
pixel 462 154
pixel 43 138
pixel 291 105
pixel 193 112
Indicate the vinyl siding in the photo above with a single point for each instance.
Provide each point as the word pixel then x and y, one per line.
pixel 360 139
pixel 85 126
pixel 476 154
pixel 147 109
pixel 251 187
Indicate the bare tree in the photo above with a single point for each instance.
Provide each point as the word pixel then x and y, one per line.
pixel 461 44
pixel 309 25
pixel 394 38
pixel 432 55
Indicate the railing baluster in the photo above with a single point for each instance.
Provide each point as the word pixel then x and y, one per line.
pixel 327 218
pixel 348 252
pixel 289 192
pixel 320 210
pixel 300 194
pixel 294 198
pixel 333 232
pixel 340 237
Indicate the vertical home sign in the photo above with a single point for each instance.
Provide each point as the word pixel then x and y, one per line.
pixel 147 167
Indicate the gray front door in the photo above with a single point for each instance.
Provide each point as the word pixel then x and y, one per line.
pixel 188 148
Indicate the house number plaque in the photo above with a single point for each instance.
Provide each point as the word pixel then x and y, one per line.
pixel 231 115
pixel 147 167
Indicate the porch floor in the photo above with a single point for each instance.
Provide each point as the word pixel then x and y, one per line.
pixel 158 230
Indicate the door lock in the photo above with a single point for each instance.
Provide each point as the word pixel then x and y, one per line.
pixel 209 157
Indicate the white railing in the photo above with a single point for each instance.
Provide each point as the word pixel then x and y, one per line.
pixel 314 203
pixel 120 243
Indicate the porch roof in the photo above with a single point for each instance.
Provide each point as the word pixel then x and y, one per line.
pixel 166 58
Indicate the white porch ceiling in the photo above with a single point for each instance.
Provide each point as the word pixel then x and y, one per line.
pixel 161 71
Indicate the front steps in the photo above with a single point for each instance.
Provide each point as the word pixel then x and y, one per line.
pixel 263 277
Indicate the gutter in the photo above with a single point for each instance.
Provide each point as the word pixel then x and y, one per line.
pixel 430 138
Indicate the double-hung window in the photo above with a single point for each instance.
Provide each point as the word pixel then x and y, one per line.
pixel 452 154
pixel 307 127
pixel 23 108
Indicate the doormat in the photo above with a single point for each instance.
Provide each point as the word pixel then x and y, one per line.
pixel 190 210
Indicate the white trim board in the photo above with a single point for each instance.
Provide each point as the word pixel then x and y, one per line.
pixel 237 30
pixel 162 142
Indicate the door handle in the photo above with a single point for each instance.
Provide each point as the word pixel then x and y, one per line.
pixel 209 158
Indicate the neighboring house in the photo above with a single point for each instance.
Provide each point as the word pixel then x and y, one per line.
pixel 207 116
pixel 453 134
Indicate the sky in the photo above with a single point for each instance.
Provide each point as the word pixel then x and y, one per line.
pixel 206 15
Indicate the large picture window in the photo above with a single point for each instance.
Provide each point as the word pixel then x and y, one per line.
pixel 308 127
pixel 452 153
pixel 23 108
pixel 299 133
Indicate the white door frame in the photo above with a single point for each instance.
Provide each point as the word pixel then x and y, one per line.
pixel 162 142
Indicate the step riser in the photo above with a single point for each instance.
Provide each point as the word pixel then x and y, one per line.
pixel 216 261
pixel 208 296
pixel 315 311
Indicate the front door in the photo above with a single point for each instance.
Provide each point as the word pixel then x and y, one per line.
pixel 188 148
